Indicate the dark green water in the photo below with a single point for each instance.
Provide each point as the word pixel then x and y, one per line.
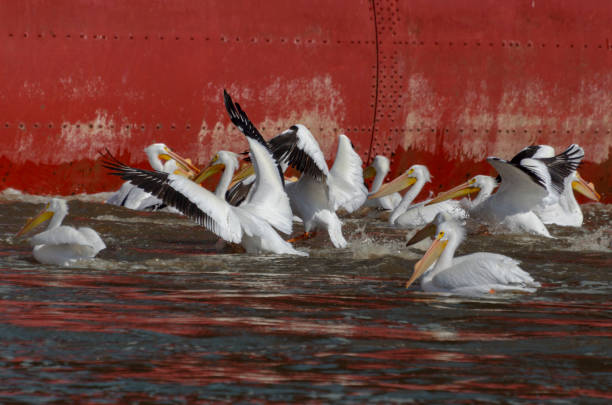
pixel 161 316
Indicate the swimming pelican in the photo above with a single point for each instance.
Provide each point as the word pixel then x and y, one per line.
pixel 412 216
pixel 60 244
pixel 471 275
pixel 566 211
pixel 526 182
pixel 561 209
pixel 481 185
pixel 379 170
pixel 251 224
pixel 560 206
pixel 163 159
pixel 319 192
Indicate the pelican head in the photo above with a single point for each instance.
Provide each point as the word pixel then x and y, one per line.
pixel 429 230
pixel 218 163
pixel 449 235
pixel 54 211
pixel 380 164
pixel 481 185
pixel 581 186
pixel 159 152
pixel 407 179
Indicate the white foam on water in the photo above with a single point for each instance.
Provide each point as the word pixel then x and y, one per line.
pixel 364 246
pixel 11 194
pixel 175 221
pixel 599 240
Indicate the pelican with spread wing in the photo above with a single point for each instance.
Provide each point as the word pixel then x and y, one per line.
pixel 163 159
pixel 526 181
pixel 254 222
pixel 562 208
pixel 319 192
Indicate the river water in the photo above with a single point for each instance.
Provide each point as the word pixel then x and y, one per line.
pixel 167 314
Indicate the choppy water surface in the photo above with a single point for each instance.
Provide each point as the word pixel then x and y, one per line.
pixel 161 315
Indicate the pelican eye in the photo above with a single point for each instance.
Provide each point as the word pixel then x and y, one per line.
pixel 214 159
pixel 410 171
pixel 472 181
pixel 441 235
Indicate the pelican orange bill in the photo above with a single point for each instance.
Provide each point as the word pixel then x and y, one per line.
pixel 42 216
pixel 397 184
pixel 432 254
pixel 584 188
pixel 459 191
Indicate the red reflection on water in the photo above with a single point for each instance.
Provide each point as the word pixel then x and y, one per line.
pixel 424 354
pixel 106 317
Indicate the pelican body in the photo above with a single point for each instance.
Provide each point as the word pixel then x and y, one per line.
pixel 560 206
pixel 475 274
pixel 527 182
pixel 566 210
pixel 408 215
pixel 319 192
pixel 60 244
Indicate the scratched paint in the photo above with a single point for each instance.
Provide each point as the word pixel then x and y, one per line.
pixel 512 120
pixel 89 139
pixel 447 83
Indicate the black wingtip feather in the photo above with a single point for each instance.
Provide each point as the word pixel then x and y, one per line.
pixel 564 164
pixel 241 120
pixel 158 184
pixel 284 147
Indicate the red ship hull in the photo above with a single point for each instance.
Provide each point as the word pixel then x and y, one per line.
pixel 440 83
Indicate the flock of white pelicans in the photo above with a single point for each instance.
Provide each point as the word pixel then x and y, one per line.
pixel 250 206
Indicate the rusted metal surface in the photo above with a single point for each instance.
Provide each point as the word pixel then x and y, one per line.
pixel 435 82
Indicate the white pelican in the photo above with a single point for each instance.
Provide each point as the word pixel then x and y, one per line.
pixel 319 192
pixel 471 275
pixel 561 209
pixel 163 159
pixel 251 224
pixel 566 211
pixel 225 161
pixel 379 170
pixel 481 185
pixel 60 244
pixel 526 182
pixel 412 216
pixel 346 177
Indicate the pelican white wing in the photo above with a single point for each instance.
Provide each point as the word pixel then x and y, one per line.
pixel 345 181
pixel 482 273
pixel 189 198
pixel 522 187
pixel 69 235
pixel 300 150
pixel 268 199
